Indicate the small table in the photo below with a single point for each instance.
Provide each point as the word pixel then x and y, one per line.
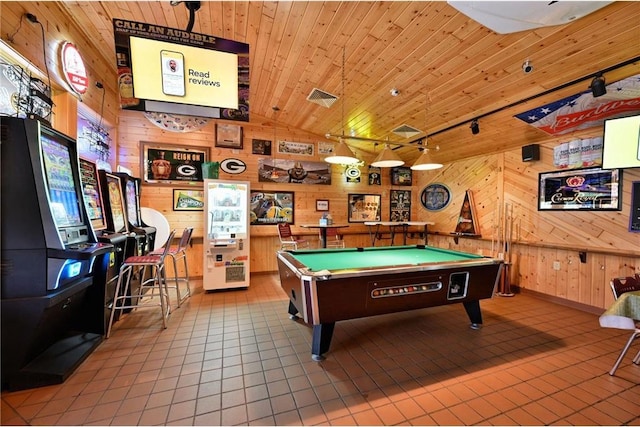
pixel 392 228
pixel 323 230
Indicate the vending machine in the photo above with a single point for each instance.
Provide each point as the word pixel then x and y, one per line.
pixel 226 235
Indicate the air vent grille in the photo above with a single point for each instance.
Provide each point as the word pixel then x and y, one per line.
pixel 322 98
pixel 406 131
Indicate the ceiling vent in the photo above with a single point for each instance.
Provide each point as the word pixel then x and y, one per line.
pixel 406 131
pixel 506 17
pixel 322 98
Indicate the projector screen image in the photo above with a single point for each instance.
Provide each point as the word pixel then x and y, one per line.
pixel 621 147
pixel 170 72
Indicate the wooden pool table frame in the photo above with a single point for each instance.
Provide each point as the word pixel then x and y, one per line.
pixel 324 297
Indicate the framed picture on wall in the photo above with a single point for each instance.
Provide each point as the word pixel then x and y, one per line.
pixel 228 135
pixel 364 207
pixel 188 200
pixel 591 189
pixel 172 163
pixel 401 175
pixel 271 207
pixel 322 205
pixel 400 205
pixel 261 146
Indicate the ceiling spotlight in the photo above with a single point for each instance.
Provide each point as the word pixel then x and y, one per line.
pixel 31 18
pixel 394 92
pixel 475 127
pixel 598 86
pixel 527 67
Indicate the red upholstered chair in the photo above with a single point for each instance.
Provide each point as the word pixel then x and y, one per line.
pixel 620 285
pixel 288 240
pixel 154 286
pixel 177 253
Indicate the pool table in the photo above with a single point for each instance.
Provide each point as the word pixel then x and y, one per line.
pixel 328 285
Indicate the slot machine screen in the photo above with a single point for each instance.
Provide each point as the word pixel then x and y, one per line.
pixel 117 203
pixel 132 202
pixel 63 194
pixel 92 194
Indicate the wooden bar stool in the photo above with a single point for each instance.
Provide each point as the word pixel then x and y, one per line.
pixel 154 286
pixel 177 253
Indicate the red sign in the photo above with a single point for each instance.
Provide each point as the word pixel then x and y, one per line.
pixel 73 67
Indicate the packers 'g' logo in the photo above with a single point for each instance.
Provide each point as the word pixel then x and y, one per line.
pixel 233 166
pixel 352 172
pixel 187 170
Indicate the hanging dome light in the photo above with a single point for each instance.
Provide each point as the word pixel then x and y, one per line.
pixel 342 155
pixel 425 163
pixel 387 159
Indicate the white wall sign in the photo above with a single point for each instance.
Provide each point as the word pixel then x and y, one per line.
pixel 73 67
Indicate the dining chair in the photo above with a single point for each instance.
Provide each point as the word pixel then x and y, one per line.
pixel 333 238
pixel 154 286
pixel 288 240
pixel 177 253
pixel 619 286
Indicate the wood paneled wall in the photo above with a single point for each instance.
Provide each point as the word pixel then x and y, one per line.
pixel 541 238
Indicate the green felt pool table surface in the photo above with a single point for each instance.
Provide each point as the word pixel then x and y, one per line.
pixel 354 258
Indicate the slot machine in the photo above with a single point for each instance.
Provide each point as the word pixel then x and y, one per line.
pixel 131 191
pixel 51 258
pixel 94 201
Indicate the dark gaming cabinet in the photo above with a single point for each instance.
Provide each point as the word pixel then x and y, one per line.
pixel 131 191
pixel 51 259
pixel 139 237
pixel 94 201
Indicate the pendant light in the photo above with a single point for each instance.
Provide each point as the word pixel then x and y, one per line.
pixel 425 162
pixel 342 155
pixel 274 146
pixel 387 159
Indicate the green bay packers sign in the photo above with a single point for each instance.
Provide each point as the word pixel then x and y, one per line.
pixel 164 164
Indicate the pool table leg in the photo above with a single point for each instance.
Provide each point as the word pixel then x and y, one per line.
pixel 293 311
pixel 321 340
pixel 474 313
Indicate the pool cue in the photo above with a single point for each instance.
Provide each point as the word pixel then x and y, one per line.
pixel 508 240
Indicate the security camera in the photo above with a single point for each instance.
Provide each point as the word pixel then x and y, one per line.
pixel 394 92
pixel 527 67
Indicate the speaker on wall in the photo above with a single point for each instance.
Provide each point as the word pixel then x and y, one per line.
pixel 530 152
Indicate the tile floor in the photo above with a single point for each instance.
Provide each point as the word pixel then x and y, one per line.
pixel 235 358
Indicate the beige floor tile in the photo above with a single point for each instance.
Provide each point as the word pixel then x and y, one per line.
pixel 235 358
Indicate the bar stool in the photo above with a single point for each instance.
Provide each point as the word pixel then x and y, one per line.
pixel 154 286
pixel 176 254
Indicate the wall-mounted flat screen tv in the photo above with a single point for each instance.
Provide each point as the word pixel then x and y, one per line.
pixel 168 70
pixel 621 145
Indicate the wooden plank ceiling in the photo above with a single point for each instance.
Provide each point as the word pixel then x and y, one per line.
pixel 447 68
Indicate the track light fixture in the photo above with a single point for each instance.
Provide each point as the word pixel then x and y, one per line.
pixel 475 127
pixel 598 85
